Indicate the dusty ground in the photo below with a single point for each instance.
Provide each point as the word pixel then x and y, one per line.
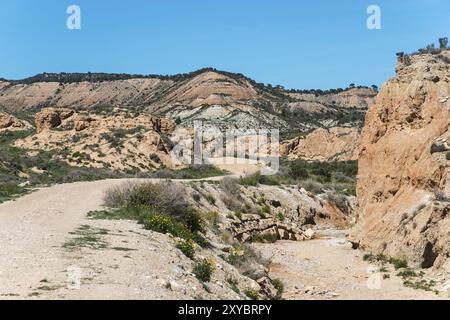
pixel 328 269
pixel 47 239
pixel 130 263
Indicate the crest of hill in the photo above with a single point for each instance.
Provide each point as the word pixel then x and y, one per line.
pixel 221 98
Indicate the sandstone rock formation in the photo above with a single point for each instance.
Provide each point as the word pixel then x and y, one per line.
pixel 9 122
pixel 117 141
pixel 290 213
pixel 335 144
pixel 51 118
pixel 6 120
pixel 404 183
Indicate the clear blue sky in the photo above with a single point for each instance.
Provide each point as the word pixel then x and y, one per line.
pixel 295 43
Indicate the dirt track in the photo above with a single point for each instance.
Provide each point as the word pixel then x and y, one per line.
pixel 328 269
pixel 34 228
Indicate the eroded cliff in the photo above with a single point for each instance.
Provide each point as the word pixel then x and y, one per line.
pixel 403 183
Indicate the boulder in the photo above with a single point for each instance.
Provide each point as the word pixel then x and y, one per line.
pixel 310 234
pixel 6 120
pixel 82 123
pixel 47 119
pixel 50 118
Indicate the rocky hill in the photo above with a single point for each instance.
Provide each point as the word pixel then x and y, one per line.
pixel 119 141
pixel 404 183
pixel 220 98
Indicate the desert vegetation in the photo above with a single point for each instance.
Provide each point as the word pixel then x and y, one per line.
pixel 315 177
pixel 164 207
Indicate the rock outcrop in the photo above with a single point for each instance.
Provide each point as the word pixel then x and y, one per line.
pixel 50 118
pixel 9 122
pixel 119 141
pixel 403 185
pixel 6 120
pixel 335 144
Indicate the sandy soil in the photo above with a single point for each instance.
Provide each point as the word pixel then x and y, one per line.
pixel 328 269
pixel 34 262
pixel 34 228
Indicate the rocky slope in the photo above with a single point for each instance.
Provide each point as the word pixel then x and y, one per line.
pixel 404 183
pixel 335 144
pixel 118 141
pixel 220 98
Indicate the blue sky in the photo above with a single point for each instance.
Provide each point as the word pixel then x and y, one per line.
pixel 295 43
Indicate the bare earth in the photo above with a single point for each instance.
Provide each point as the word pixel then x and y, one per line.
pixel 34 263
pixel 34 228
pixel 328 269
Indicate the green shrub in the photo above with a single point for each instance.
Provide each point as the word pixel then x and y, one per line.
pixel 312 186
pixel 408 273
pixel 166 197
pixel 187 247
pixel 398 263
pixel 165 224
pixel 258 178
pixel 280 216
pixel 368 257
pixel 203 271
pixel 243 254
pixel 194 221
pixel 278 284
pixel 340 201
pixel 10 190
pixel 252 294
pixel 212 218
pixel 233 284
pixel 421 285
pixel 210 199
pixel 298 171
pixel 265 209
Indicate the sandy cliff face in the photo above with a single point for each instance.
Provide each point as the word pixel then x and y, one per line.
pixel 403 185
pixel 335 144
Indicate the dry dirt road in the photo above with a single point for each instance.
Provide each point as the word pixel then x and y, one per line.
pixel 34 262
pixel 36 257
pixel 328 269
pixel 35 227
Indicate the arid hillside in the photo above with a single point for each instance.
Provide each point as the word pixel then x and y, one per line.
pixel 224 99
pixel 335 144
pixel 404 183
